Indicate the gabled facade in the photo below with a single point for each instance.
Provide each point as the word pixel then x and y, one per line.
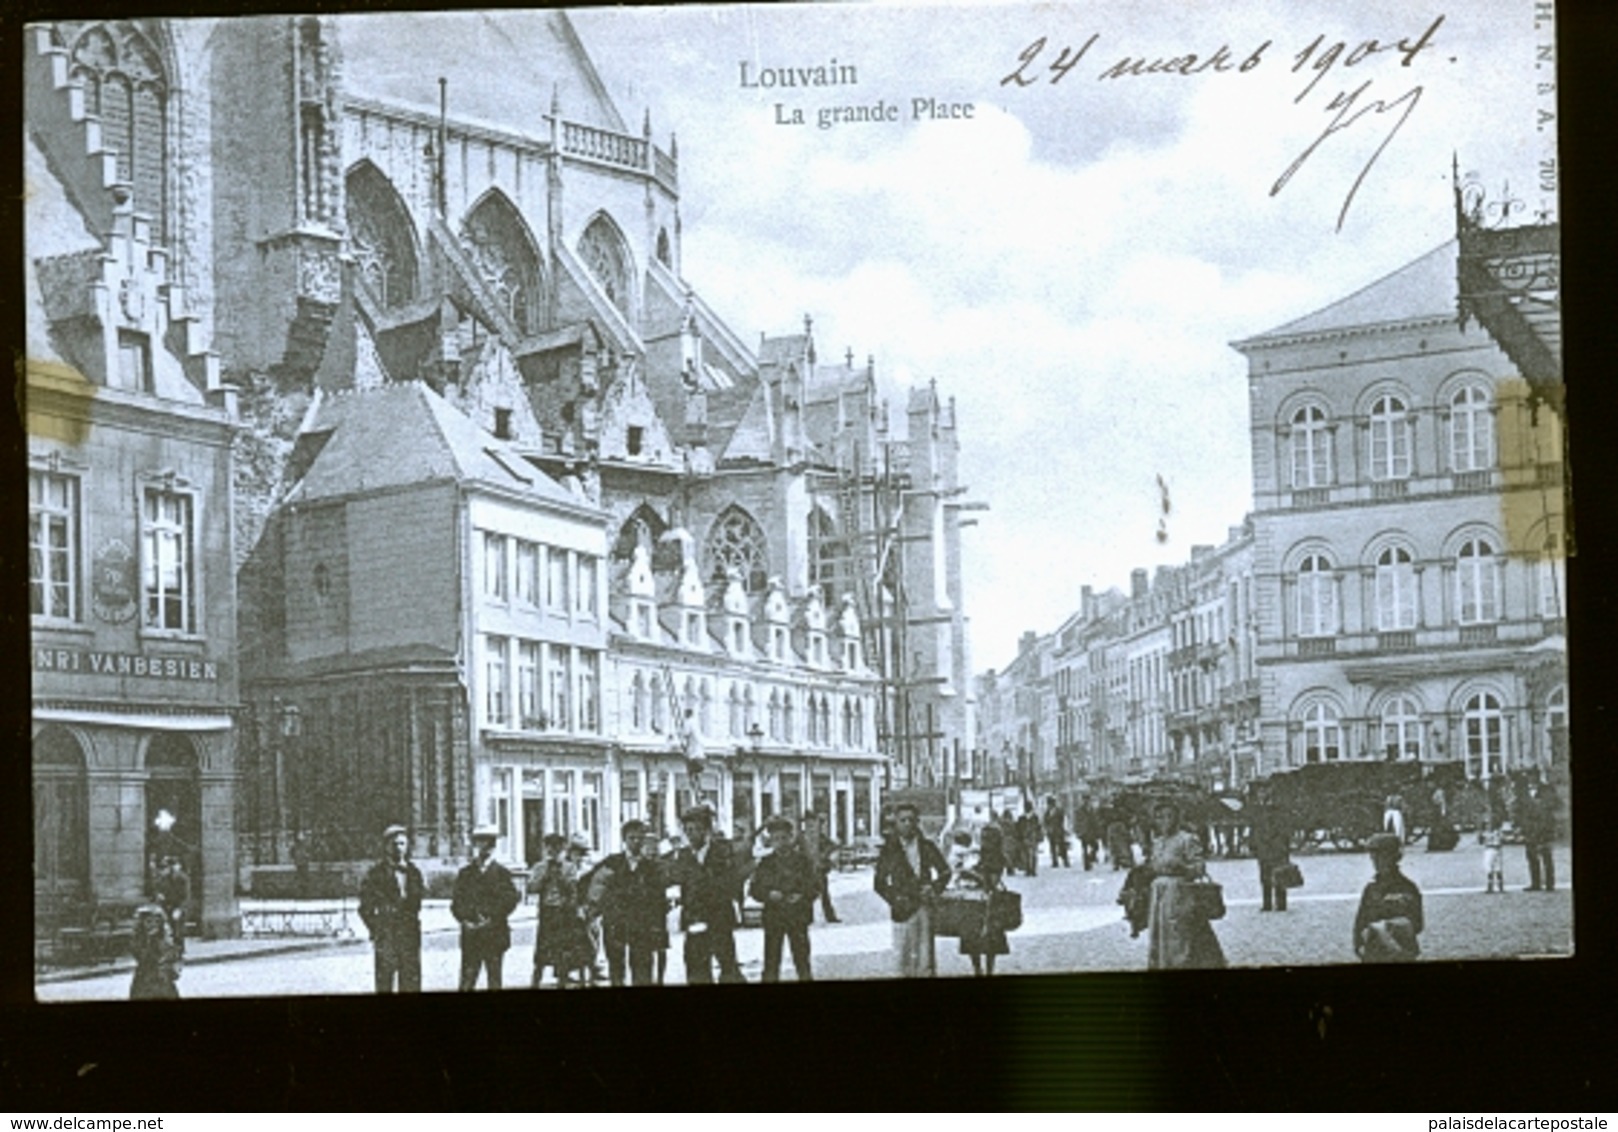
pixel 423 630
pixel 130 431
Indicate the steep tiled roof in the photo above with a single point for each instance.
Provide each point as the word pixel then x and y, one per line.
pixel 404 434
pixel 780 351
pixel 1424 288
pixel 751 439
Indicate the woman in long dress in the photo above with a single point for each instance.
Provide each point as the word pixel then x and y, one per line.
pixel 561 940
pixel 984 943
pixel 1178 930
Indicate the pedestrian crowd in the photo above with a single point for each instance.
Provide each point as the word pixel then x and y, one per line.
pixel 610 922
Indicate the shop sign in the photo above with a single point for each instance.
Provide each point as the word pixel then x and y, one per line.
pixel 95 662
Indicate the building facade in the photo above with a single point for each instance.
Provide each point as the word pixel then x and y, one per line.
pixel 1408 512
pixel 1398 591
pixel 423 634
pixel 268 210
pixel 131 562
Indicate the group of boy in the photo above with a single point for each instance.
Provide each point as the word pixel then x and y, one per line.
pixel 626 899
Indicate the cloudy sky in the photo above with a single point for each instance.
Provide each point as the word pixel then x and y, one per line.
pixel 1072 262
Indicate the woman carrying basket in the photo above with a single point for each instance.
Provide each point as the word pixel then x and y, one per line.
pixel 983 941
pixel 1178 927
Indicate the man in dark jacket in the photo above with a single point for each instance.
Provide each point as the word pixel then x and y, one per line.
pixel 785 883
pixel 1055 822
pixel 1088 829
pixel 630 890
pixel 910 873
pixel 1030 834
pixel 706 871
pixel 390 905
pixel 1270 837
pixel 484 898
pixel 1536 820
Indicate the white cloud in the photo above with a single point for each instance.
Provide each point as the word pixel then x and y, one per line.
pixel 1072 263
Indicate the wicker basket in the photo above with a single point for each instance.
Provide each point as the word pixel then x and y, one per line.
pixel 960 913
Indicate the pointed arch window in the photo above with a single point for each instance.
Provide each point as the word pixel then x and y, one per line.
pixel 789 721
pixel 637 702
pixel 660 704
pixel 1395 590
pixel 126 86
pixel 602 249
pixel 1477 583
pixel 1322 734
pixel 736 728
pixel 1471 430
pixel 826 552
pixel 381 236
pixel 774 714
pixel 736 542
pixel 706 708
pixel 1317 597
pixel 1485 730
pixel 1401 729
pixel 1311 448
pixel 498 243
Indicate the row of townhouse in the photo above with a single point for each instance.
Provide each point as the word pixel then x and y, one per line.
pixel 1397 591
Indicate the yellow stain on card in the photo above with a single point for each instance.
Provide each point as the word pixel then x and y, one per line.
pixel 1532 457
pixel 66 427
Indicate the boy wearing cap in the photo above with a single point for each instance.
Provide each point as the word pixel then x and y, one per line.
pixel 705 870
pixel 484 898
pixel 390 905
pixel 630 891
pixel 1389 919
pixel 785 883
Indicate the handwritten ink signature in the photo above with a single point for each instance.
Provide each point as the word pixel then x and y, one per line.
pixel 1347 114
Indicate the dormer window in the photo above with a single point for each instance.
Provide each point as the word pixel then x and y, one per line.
pixel 502 424
pixel 738 637
pixel 693 629
pixel 851 655
pixel 778 644
pixel 643 621
pixel 817 650
pixel 636 437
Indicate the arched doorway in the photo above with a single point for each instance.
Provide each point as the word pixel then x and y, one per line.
pixel 61 826
pixel 174 811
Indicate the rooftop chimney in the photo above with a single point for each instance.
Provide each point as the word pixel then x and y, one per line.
pixel 1138 584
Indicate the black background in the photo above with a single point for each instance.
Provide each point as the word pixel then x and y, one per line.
pixel 1434 1037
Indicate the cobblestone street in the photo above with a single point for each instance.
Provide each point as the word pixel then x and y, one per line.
pixel 1072 923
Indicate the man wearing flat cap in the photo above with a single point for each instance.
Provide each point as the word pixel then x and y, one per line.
pixel 484 898
pixel 786 883
pixel 390 905
pixel 630 891
pixel 705 870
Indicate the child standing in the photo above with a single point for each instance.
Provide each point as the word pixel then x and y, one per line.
pixel 962 858
pixel 1493 866
pixel 1389 918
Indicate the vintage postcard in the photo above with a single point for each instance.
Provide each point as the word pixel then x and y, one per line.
pixel 531 499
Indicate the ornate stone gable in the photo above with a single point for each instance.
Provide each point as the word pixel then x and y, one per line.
pixel 631 429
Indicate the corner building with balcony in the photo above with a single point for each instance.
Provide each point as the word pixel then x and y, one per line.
pixel 1408 554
